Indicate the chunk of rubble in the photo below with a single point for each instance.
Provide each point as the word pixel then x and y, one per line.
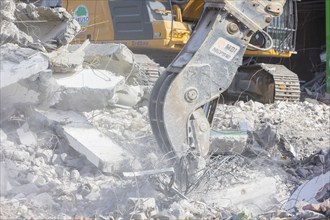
pixel 5 186
pixel 43 200
pixel 98 148
pixel 140 208
pixel 64 61
pixel 11 34
pixel 228 141
pixel 7 10
pixel 26 137
pixel 87 90
pixel 129 95
pixel 53 27
pixel 308 191
pixel 116 58
pixel 25 79
pixel 20 63
pixel 252 195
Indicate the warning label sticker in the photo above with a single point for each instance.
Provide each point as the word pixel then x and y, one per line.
pixel 224 49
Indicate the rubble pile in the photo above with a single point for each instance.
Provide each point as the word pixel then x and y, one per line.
pixel 316 88
pixel 262 154
pixel 76 141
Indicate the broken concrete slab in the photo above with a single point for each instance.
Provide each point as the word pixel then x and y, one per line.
pixel 26 137
pixel 116 58
pixel 228 141
pixel 129 95
pixel 87 90
pixel 140 208
pixel 7 10
pixel 5 186
pixel 25 79
pixel 9 33
pixel 51 27
pixel 20 63
pixel 98 148
pixel 253 195
pixel 307 191
pixel 54 28
pixel 64 61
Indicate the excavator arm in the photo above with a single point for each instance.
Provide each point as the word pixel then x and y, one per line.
pixel 184 98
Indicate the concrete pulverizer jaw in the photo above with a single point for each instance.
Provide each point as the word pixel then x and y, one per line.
pixel 180 108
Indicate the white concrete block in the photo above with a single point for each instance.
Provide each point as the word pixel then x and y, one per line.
pixel 114 57
pixel 307 191
pixel 228 141
pixel 26 137
pixel 243 193
pixel 5 186
pixel 87 90
pixel 98 148
pixel 3 135
pixel 25 79
pixel 20 63
pixel 43 200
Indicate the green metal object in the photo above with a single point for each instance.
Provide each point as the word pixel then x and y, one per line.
pixel 328 43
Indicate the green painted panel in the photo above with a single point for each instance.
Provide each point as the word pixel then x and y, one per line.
pixel 328 43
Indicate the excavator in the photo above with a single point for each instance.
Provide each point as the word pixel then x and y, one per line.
pixel 162 28
pixel 209 39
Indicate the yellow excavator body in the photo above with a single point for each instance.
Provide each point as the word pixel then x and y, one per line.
pixel 162 28
pixel 96 19
pixel 158 25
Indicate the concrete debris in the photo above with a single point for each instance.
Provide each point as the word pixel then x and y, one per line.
pixel 42 201
pixel 316 88
pixel 246 195
pixel 229 141
pixel 15 61
pixel 39 28
pixel 26 137
pixel 184 209
pixel 99 149
pixel 63 61
pixel 11 34
pixel 116 58
pixel 19 87
pixel 52 27
pixel 87 90
pixel 7 10
pixel 322 208
pixel 273 122
pixel 5 186
pixel 308 191
pixel 129 95
pixel 142 208
pixel 84 163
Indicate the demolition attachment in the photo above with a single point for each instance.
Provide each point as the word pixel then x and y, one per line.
pixel 184 98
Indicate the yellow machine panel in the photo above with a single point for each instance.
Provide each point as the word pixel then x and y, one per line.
pixel 193 10
pixel 153 24
pixel 94 17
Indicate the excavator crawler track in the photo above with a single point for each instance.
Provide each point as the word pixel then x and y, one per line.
pixel 265 83
pixel 287 87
